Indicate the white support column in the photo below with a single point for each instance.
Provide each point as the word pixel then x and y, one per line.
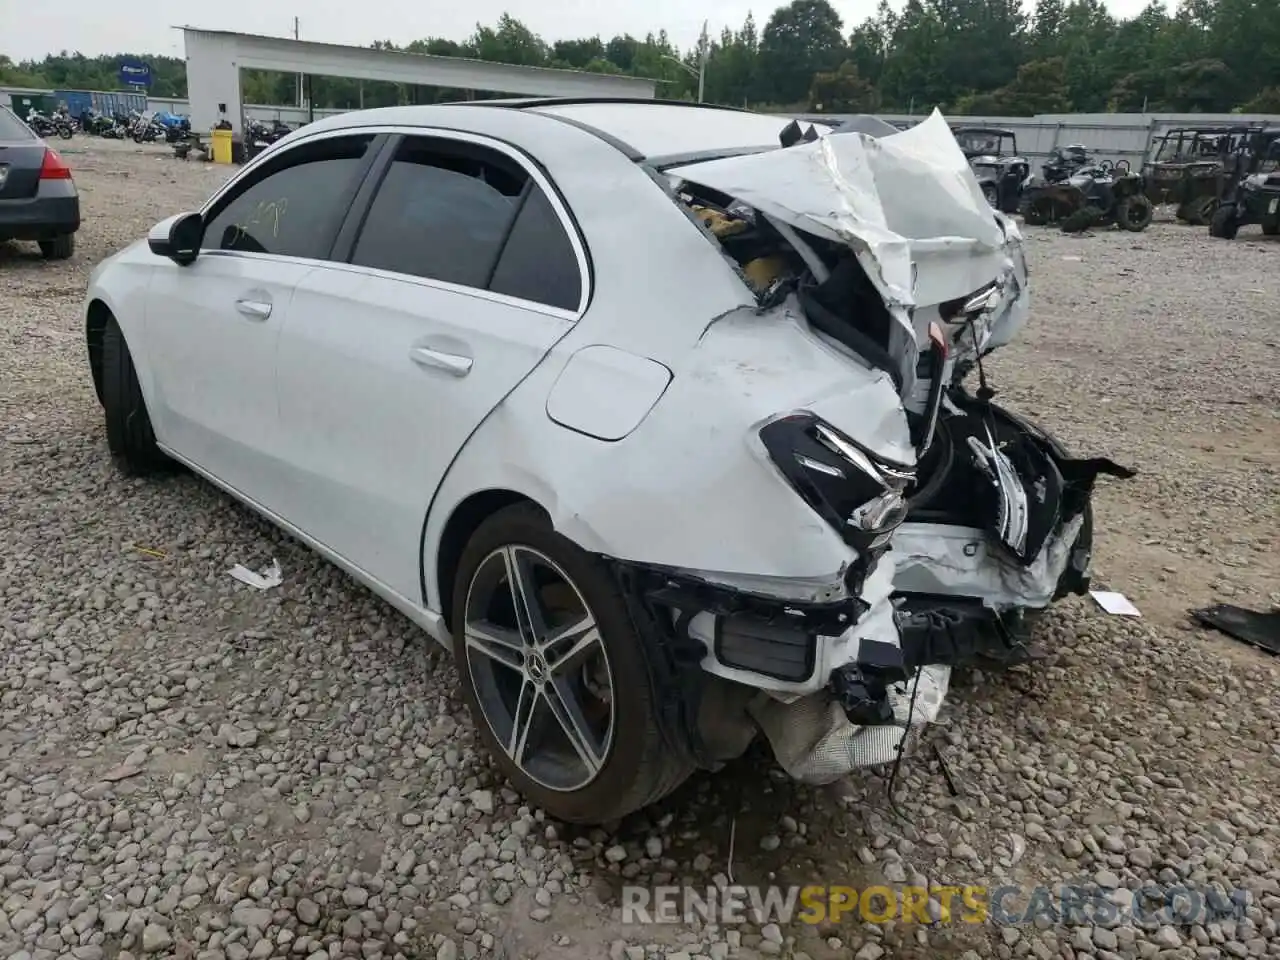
pixel 213 78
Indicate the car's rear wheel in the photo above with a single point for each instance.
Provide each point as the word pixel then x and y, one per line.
pixel 1271 227
pixel 554 674
pixel 129 435
pixel 61 247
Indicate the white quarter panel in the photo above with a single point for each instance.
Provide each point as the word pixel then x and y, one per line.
pixel 605 393
pixel 691 487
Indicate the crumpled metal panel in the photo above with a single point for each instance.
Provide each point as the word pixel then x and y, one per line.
pixel 908 205
pixel 814 742
pixel 933 558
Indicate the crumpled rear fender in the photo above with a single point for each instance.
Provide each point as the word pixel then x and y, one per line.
pixel 691 487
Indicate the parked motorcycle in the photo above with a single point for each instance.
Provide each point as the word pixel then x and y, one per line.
pixel 258 135
pixel 58 125
pixel 95 123
pixel 147 129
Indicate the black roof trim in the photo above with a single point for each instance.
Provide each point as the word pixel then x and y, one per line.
pixel 573 101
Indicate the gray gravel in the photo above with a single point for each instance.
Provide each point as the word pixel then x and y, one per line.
pixel 192 768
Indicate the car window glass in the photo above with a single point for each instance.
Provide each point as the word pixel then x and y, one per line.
pixel 11 128
pixel 1272 160
pixel 442 212
pixel 296 210
pixel 538 262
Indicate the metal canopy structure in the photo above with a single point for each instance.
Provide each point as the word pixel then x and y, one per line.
pixel 216 57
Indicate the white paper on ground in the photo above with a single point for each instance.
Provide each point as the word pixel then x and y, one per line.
pixel 268 578
pixel 1116 603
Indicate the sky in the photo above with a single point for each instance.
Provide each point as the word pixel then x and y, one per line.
pixel 31 30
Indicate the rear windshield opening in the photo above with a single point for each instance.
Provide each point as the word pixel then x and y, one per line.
pixel 13 129
pixel 838 298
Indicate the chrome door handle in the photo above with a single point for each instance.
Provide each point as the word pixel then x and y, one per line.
pixel 454 363
pixel 254 309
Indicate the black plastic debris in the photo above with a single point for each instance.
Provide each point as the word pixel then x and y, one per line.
pixel 1261 630
pixel 793 133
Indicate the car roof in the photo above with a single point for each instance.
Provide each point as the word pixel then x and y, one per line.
pixel 653 130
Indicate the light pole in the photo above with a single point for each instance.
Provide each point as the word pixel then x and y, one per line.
pixel 704 53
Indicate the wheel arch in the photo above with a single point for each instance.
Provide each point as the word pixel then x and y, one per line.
pixel 462 524
pixel 95 324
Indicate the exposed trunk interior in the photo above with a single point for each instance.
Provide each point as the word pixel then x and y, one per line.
pixel 774 260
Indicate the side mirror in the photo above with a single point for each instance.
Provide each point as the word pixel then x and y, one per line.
pixel 177 238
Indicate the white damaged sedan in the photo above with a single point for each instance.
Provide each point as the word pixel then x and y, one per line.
pixel 652 412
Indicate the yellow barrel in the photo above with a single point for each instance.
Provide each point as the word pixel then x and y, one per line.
pixel 221 146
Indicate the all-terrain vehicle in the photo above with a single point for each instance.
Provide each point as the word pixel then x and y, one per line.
pixel 993 156
pixel 1096 194
pixel 1065 161
pixel 1252 190
pixel 1187 167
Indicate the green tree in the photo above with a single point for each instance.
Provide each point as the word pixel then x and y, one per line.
pixel 1046 28
pixel 870 42
pixel 1267 101
pixel 578 53
pixel 800 39
pixel 509 42
pixel 842 91
pixel 1038 88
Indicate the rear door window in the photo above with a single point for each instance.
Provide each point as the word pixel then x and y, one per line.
pixel 442 212
pixel 465 214
pixel 538 262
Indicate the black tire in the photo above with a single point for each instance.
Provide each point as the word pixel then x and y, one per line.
pixel 1036 213
pixel 1271 227
pixel 1082 219
pixel 61 247
pixel 992 195
pixel 65 133
pixel 1224 224
pixel 129 435
pixel 639 768
pixel 1134 213
pixel 1201 210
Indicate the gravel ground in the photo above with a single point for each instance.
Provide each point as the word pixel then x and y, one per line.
pixel 192 768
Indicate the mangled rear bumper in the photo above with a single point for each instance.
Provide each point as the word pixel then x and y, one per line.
pixel 963 595
pixel 825 681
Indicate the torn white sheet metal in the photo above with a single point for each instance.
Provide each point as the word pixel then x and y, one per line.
pixel 268 578
pixel 814 742
pixel 908 204
pixel 935 558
